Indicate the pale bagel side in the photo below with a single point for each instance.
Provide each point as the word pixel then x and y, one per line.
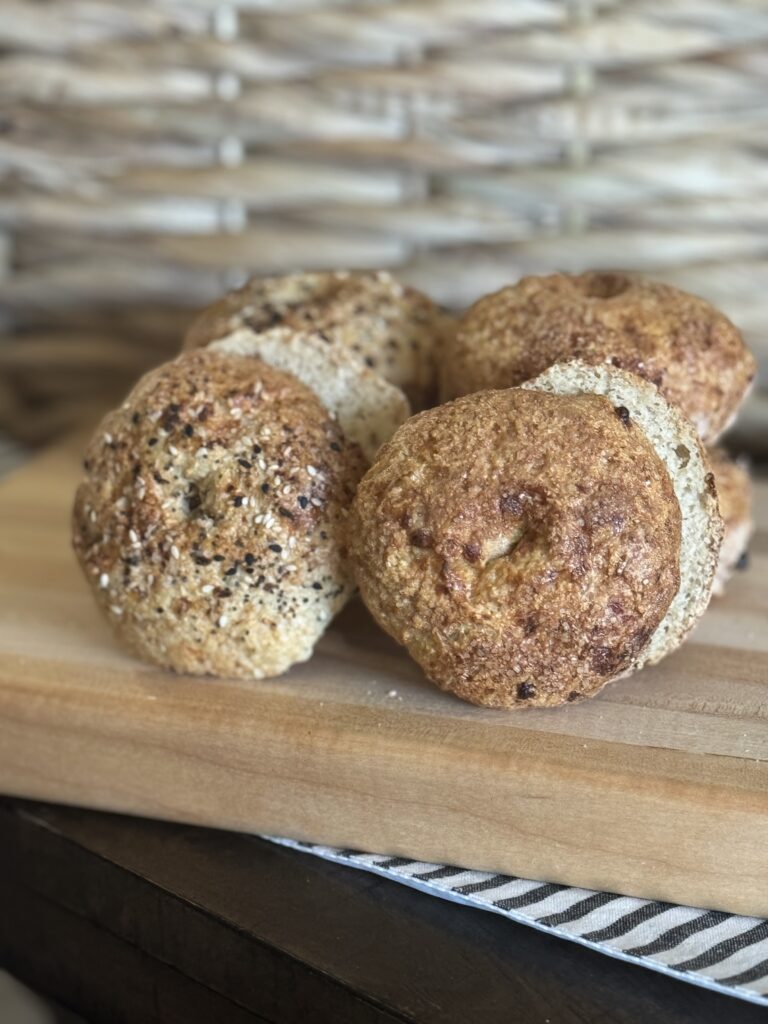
pixel 734 492
pixel 369 409
pixel 677 444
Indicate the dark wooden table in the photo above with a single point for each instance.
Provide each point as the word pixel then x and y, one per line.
pixel 130 921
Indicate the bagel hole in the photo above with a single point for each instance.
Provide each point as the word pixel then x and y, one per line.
pixel 500 547
pixel 192 500
pixel 604 286
pixel 199 501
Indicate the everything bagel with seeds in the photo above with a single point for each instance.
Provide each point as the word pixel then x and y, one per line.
pixel 211 523
pixel 395 330
pixel 528 546
pixel 679 342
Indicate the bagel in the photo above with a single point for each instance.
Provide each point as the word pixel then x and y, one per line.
pixel 530 545
pixel 369 409
pixel 211 523
pixel 734 491
pixel 394 329
pixel 679 342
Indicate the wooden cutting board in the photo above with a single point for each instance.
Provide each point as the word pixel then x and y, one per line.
pixel 657 788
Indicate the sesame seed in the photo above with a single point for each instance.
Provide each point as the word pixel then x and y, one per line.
pixel 276 548
pixel 201 452
pixel 188 430
pixel 303 500
pixel 317 503
pixel 244 463
pixel 262 464
pixel 107 439
pixel 223 620
pixel 116 609
pixel 236 413
pixel 133 537
pixel 311 470
pixel 104 581
pixel 265 488
pixel 152 442
pixel 207 588
pixel 172 450
pixel 174 551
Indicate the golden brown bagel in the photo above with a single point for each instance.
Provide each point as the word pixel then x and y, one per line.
pixel 677 341
pixel 734 491
pixel 526 546
pixel 211 522
pixel 394 329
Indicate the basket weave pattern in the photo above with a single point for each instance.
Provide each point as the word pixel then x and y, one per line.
pixel 153 154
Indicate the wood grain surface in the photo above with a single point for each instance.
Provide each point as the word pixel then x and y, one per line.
pixel 657 788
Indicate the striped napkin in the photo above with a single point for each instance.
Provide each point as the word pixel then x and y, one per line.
pixel 723 952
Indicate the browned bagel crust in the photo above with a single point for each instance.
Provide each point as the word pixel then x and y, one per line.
pixel 523 546
pixel 692 352
pixel 393 328
pixel 211 521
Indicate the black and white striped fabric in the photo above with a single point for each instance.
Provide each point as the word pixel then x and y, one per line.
pixel 719 951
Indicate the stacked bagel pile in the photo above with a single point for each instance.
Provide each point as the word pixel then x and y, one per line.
pixel 554 523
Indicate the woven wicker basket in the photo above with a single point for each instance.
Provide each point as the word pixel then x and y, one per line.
pixel 153 154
